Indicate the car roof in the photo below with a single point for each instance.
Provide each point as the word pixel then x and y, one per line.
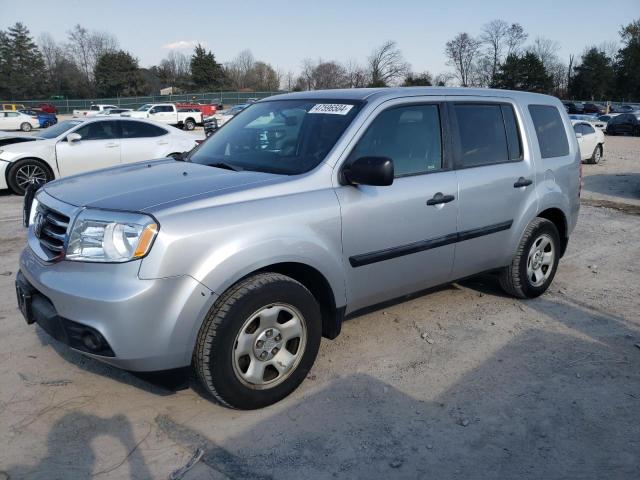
pixel 355 94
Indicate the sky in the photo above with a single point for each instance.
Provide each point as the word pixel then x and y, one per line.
pixel 283 32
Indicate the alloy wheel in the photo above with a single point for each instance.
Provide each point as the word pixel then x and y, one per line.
pixel 540 260
pixel 29 174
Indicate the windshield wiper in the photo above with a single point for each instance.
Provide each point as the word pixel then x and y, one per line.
pixel 226 166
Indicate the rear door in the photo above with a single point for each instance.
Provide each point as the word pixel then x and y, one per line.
pixel 394 241
pixel 98 148
pixel 496 184
pixel 142 141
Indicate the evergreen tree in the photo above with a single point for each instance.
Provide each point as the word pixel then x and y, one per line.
pixel 524 72
pixel 21 64
pixel 593 78
pixel 627 68
pixel 206 73
pixel 117 74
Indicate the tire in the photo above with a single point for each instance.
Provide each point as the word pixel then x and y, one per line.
pixel 227 354
pixel 516 279
pixel 596 155
pixel 27 171
pixel 47 124
pixel 26 127
pixel 189 124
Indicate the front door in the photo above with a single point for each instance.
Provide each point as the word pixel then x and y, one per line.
pixel 397 239
pixel 98 148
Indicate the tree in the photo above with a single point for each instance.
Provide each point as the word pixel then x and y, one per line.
pixel 206 73
pixel 516 37
pixel 386 65
pixel 238 70
pixel 328 75
pixel 462 53
pixel 117 74
pixel 62 75
pixel 356 74
pixel 21 64
pixel 524 72
pixel 594 77
pixel 627 68
pixel 423 79
pixel 263 78
pixel 494 35
pixel 85 48
pixel 175 71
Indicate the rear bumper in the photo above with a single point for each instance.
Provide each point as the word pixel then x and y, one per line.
pixel 148 325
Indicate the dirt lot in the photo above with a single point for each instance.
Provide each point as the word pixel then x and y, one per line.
pixel 547 388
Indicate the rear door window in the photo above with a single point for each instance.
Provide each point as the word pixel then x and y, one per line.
pixel 132 129
pixel 552 138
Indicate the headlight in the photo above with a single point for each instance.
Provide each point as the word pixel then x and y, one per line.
pixel 103 236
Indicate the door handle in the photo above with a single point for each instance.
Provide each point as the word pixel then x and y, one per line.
pixel 522 182
pixel 111 145
pixel 439 199
pixel 163 143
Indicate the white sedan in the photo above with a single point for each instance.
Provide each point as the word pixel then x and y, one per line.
pixel 590 141
pixel 10 120
pixel 81 145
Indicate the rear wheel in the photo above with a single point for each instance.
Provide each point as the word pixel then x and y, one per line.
pixel 189 124
pixel 26 172
pixel 259 341
pixel 26 127
pixel 597 155
pixel 535 262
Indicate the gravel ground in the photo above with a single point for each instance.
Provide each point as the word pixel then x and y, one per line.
pixel 497 388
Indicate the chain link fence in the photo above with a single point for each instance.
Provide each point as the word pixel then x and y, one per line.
pixel 226 98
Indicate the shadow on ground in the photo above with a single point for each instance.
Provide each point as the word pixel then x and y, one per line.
pixel 545 405
pixel 623 185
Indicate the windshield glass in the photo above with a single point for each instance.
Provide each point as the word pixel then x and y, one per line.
pixel 58 129
pixel 144 108
pixel 286 137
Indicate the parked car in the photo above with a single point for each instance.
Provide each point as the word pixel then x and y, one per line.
pixel 167 113
pixel 573 107
pixel 82 145
pixel 224 116
pixel 45 119
pixel 307 207
pixel 207 109
pixel 590 141
pixel 625 123
pixel 48 108
pixel 112 111
pixel 15 120
pixel 594 108
pixel 627 109
pixel 11 107
pixel 210 125
pixel 93 110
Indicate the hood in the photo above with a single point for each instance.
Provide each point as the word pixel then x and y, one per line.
pixel 143 185
pixel 9 140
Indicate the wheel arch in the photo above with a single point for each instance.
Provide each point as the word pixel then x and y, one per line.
pixel 41 160
pixel 558 218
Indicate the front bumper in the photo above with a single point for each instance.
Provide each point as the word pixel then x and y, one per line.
pixel 3 174
pixel 148 325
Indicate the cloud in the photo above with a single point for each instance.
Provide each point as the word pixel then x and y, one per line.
pixel 182 44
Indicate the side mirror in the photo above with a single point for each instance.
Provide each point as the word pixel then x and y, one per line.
pixel 74 137
pixel 578 136
pixel 376 171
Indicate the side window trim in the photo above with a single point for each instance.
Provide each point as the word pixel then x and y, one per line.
pixel 455 135
pixel 445 136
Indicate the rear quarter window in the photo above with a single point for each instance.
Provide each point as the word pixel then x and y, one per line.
pixel 552 137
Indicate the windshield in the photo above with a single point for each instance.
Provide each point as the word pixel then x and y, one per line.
pixel 144 108
pixel 287 137
pixel 58 129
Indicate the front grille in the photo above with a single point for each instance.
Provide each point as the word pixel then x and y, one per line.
pixel 50 227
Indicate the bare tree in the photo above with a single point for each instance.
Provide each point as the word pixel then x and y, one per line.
pixel 305 80
pixel 239 69
pixel 356 74
pixel 443 79
pixel 386 65
pixel 288 81
pixel 85 48
pixel 546 50
pixel 494 35
pixel 516 37
pixel 175 68
pixel 462 52
pixel 610 49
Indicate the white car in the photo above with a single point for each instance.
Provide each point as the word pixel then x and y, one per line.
pixel 112 111
pixel 77 146
pixel 93 110
pixel 10 120
pixel 224 116
pixel 590 141
pixel 167 113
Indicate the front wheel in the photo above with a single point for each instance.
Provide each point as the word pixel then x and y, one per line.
pixel 259 341
pixel 26 127
pixel 27 172
pixel 535 263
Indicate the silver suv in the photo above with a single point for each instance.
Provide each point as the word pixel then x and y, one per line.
pixel 302 210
